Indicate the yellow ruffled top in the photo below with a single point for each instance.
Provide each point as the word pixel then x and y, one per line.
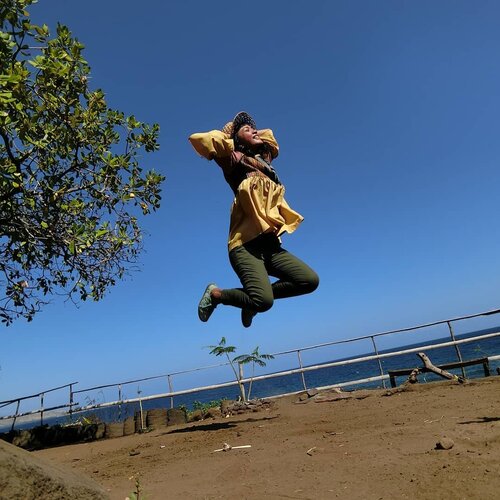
pixel 259 205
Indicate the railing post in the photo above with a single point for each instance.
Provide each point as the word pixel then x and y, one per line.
pixel 71 396
pixel 378 359
pixel 140 408
pixel 457 349
pixel 302 373
pixel 41 408
pixel 15 416
pixel 119 399
pixel 170 389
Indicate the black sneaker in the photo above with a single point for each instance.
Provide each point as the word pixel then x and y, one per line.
pixel 247 317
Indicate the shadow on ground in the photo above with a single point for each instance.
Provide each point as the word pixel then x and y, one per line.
pixel 217 426
pixel 481 420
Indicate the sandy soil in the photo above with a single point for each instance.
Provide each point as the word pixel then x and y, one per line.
pixel 370 445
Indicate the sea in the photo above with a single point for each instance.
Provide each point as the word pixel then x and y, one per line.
pixel 285 384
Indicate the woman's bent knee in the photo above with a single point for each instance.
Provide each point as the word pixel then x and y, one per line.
pixel 262 303
pixel 312 282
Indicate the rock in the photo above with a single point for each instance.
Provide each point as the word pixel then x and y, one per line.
pixel 239 407
pixel 24 475
pixel 306 395
pixel 255 402
pixel 303 396
pixel 445 444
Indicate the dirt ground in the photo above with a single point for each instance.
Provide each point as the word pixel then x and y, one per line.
pixel 369 445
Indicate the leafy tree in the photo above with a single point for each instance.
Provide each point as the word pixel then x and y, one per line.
pixel 221 349
pixel 71 187
pixel 256 358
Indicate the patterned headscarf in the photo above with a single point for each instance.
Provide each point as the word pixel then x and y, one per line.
pixel 242 118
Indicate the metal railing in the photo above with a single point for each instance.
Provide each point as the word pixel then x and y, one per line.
pixel 41 410
pixel 382 377
pixel 301 370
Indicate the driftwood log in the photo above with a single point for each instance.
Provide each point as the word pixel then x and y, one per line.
pixel 438 371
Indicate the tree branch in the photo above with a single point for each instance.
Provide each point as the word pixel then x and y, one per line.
pixel 11 156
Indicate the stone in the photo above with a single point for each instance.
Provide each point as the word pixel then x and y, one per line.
pixel 445 444
pixel 303 396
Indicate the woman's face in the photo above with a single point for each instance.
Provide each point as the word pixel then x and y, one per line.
pixel 249 138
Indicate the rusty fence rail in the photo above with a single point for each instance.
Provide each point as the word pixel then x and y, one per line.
pixel 302 370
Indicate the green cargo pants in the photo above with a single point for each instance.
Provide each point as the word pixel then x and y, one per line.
pixel 258 259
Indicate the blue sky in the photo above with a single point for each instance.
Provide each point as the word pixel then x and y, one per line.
pixel 387 117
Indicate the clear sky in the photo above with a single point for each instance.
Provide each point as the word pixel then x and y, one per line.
pixel 387 114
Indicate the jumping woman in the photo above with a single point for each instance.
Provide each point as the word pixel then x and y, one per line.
pixel 259 215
